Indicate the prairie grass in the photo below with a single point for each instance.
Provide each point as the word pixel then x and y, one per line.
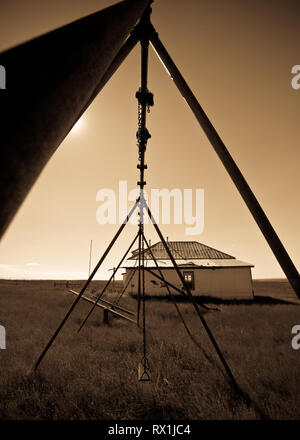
pixel 93 374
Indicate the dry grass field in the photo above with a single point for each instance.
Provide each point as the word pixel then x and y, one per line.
pixel 93 374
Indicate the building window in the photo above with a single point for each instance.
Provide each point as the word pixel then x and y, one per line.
pixel 189 279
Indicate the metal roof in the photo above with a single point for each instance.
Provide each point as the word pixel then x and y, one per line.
pixel 200 263
pixel 183 250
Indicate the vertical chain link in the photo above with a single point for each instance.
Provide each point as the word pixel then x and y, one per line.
pixel 139 128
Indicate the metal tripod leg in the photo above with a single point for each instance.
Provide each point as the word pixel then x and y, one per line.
pixel 172 298
pixel 245 191
pixel 203 321
pixel 85 286
pixel 243 394
pixel 139 282
pixel 117 61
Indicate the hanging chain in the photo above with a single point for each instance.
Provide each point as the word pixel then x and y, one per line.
pixel 139 129
pixel 145 98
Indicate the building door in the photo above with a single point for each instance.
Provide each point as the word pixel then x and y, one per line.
pixel 189 280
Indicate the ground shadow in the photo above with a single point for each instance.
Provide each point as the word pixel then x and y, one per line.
pixel 257 300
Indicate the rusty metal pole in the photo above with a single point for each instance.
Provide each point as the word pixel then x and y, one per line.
pixel 245 191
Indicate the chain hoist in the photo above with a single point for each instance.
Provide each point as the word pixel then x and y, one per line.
pixel 145 99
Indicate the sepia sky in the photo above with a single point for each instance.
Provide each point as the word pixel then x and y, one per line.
pixel 237 58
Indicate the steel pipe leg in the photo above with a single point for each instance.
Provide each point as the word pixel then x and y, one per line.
pixel 245 191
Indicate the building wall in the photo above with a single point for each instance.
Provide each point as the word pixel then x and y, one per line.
pixel 225 282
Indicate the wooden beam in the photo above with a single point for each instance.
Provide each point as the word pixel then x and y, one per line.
pixel 118 307
pixel 114 312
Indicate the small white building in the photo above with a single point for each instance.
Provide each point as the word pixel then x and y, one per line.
pixel 207 271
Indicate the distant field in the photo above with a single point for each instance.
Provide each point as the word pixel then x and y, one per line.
pixel 93 374
pixel 275 288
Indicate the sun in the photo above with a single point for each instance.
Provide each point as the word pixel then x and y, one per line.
pixel 78 126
